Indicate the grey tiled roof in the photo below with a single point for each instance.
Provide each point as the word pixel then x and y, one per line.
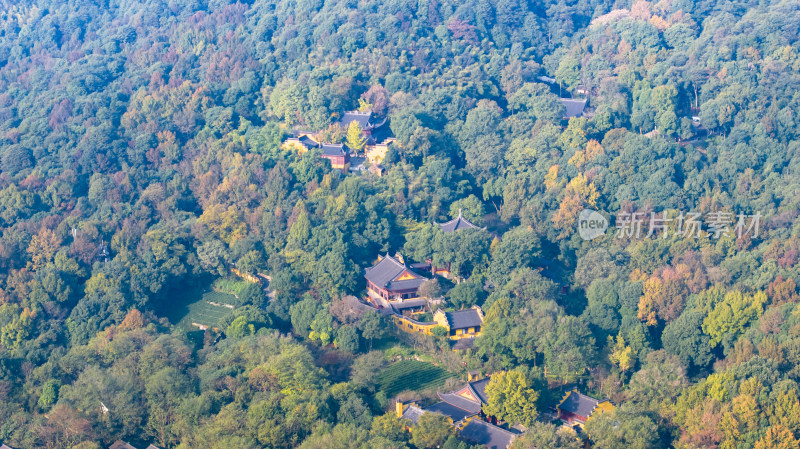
pixel 119 444
pixel 481 432
pixel 574 107
pixel 461 402
pixel 457 223
pixel 309 142
pixel 384 272
pixel 455 413
pixel 406 284
pixel 362 118
pixel 480 388
pixel 579 404
pixel 409 304
pixel 333 149
pixel 412 413
pixel 463 319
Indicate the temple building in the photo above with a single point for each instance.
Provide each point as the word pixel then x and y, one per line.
pixel 377 153
pixel 464 408
pixel 573 108
pixel 462 323
pixel 369 124
pixel 464 402
pixel 483 433
pixel 392 280
pixel 577 408
pixel 457 224
pixel 301 144
pixel 338 154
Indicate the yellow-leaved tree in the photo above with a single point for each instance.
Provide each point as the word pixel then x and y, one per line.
pixel 621 354
pixel 579 193
pixel 354 138
pixel 511 397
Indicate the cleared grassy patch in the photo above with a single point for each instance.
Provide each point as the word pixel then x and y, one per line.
pixel 230 285
pixel 411 375
pixel 209 309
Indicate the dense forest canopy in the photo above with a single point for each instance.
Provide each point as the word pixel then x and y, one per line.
pixel 141 159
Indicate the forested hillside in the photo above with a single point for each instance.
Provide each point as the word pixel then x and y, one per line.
pixel 141 160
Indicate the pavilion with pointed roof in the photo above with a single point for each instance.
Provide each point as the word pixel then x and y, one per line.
pixel 456 224
pixel 392 280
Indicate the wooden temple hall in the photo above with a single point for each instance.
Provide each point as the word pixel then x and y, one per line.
pixel 392 280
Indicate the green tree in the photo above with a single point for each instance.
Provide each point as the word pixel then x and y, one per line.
pixel 777 437
pixel 470 207
pixel 519 248
pixel 371 326
pixel 431 430
pixel 390 427
pixel 303 314
pixel 619 430
pixel 546 436
pixel 347 338
pixel 49 394
pixel 568 72
pixel 366 368
pixel 621 354
pixel 684 338
pixel 240 328
pixel 511 397
pixel 729 318
pixel 466 294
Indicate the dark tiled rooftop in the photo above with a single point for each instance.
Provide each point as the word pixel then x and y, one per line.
pixel 579 404
pixel 412 413
pixel 461 402
pixel 333 149
pixel 119 444
pixel 574 108
pixel 457 223
pixel 384 272
pixel 362 118
pixel 409 304
pixel 481 432
pixel 455 413
pixel 480 388
pixel 463 319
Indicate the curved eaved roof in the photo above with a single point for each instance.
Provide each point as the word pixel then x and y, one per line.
pixel 385 274
pixel 457 223
pixel 578 404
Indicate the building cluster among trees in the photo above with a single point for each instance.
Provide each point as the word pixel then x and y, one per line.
pixel 262 223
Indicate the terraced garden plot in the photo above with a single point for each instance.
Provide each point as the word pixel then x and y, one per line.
pixel 411 375
pixel 209 309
